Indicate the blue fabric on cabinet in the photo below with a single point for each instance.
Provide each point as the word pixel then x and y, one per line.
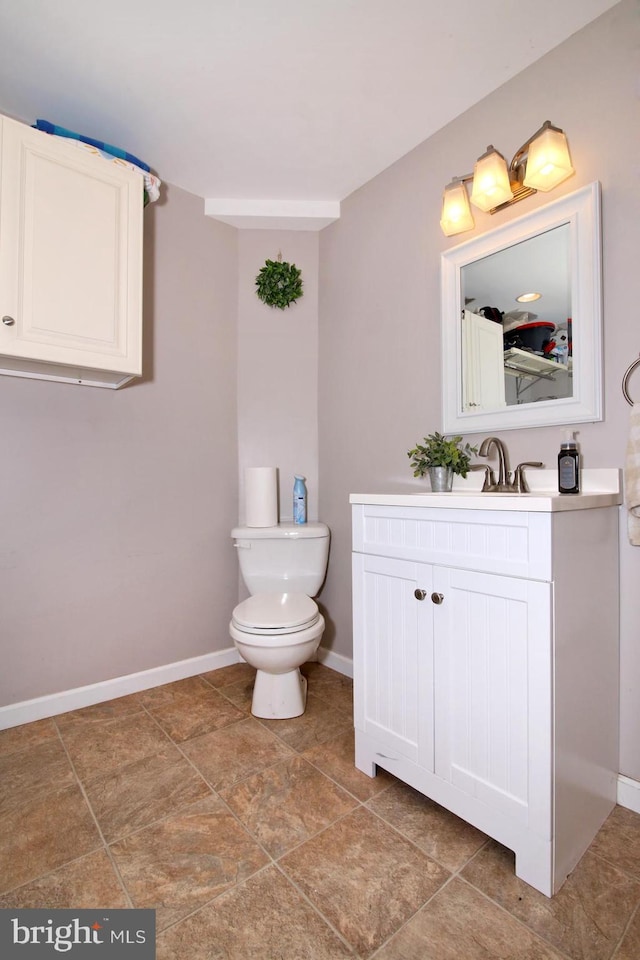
pixel 47 127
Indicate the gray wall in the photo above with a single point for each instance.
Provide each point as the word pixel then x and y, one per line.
pixel 379 388
pixel 278 368
pixel 116 505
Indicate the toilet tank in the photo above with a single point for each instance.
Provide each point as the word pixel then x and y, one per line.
pixel 289 558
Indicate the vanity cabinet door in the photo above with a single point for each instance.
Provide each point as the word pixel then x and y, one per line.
pixel 493 692
pixel 393 656
pixel 70 257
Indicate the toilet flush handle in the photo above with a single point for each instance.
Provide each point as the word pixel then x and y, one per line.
pixel 239 545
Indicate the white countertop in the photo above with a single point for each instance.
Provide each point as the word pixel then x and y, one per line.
pixel 599 488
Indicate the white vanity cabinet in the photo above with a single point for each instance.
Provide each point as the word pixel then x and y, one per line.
pixel 486 667
pixel 70 261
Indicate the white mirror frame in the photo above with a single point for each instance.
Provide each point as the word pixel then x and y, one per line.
pixel 581 210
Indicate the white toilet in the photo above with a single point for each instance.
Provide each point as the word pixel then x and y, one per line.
pixel 279 627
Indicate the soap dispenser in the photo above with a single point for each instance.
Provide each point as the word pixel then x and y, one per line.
pixel 569 466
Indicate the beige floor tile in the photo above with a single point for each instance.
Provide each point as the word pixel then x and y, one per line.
pixel 29 773
pixel 332 687
pixel 336 758
pixel 27 735
pixel 234 673
pixel 235 752
pixel 98 712
pixel 187 690
pixel 182 862
pixel 629 949
pixel 143 791
pixel 364 878
pixel 44 834
pixel 102 745
pixel 316 725
pixel 287 803
pixel 586 918
pixel 439 833
pixel 190 708
pixel 81 885
pixel 618 840
pixel 460 924
pixel 262 919
pixel 240 693
pixel 313 669
pixel 369 871
pixel 338 695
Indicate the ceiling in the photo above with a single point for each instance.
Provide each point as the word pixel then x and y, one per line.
pixel 279 105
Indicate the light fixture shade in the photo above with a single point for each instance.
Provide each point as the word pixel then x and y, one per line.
pixel 456 212
pixel 548 163
pixel 491 185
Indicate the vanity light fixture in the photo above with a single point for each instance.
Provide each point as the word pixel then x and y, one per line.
pixel 490 181
pixel 456 212
pixel 541 163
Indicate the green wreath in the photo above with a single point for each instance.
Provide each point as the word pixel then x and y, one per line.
pixel 279 283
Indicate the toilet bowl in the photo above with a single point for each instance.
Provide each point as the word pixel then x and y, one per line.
pixel 280 690
pixel 279 627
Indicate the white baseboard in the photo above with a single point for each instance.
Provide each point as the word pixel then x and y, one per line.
pixel 629 793
pixel 54 704
pixel 50 706
pixel 336 661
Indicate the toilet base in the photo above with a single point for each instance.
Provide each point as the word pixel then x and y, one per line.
pixel 279 696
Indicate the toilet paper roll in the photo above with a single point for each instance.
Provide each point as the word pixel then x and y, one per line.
pixel 261 496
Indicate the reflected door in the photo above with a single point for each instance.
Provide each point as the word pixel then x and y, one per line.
pixel 483 364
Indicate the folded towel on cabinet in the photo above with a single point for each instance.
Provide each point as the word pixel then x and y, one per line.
pixel 632 477
pixel 151 183
pixel 57 131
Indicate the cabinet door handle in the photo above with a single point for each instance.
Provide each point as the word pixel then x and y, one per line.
pixel 8 321
pixel 437 597
pixel 420 594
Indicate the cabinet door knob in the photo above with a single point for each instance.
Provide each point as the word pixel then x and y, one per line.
pixel 419 594
pixel 437 597
pixel 8 321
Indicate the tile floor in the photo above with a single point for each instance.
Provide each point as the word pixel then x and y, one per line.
pixel 259 840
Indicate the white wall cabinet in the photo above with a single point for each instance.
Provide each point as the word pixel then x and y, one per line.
pixel 70 261
pixel 485 669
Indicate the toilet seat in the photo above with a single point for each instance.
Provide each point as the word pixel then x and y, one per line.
pixel 275 614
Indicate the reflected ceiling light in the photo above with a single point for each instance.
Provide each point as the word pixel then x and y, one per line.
pixel 528 297
pixel 541 163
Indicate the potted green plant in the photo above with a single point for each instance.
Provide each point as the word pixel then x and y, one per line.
pixel 441 457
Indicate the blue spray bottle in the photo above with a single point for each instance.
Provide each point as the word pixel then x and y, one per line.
pixel 299 500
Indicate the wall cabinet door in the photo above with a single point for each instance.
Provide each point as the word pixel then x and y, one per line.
pixel 393 656
pixel 70 255
pixel 493 692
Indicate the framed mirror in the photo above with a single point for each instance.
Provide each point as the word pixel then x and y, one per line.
pixel 521 321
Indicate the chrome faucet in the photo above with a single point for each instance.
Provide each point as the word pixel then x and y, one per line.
pixel 505 483
pixel 504 476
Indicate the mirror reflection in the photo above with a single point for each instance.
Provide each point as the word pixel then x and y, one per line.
pixel 517 331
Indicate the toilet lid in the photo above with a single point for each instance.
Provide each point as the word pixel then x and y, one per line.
pixel 276 611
